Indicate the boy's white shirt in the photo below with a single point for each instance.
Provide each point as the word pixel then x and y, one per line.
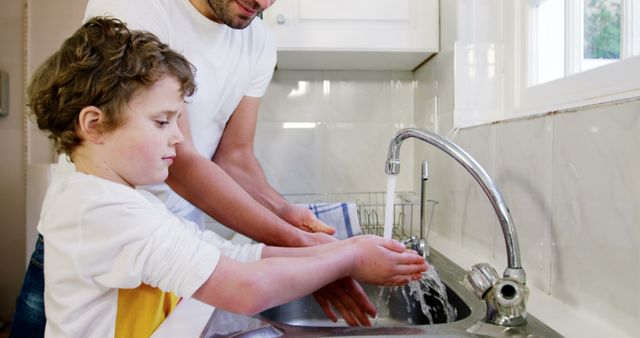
pixel 101 236
pixel 129 236
pixel 230 64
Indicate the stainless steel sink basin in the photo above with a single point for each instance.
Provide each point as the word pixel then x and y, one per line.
pixel 395 316
pixel 304 318
pixel 395 312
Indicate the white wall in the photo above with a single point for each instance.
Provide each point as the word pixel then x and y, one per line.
pixel 12 191
pixel 569 179
pixel 49 23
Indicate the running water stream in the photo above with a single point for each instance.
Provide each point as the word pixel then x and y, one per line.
pixel 429 286
pixel 389 210
pixel 416 293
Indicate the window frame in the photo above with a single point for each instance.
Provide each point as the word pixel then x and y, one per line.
pixel 577 88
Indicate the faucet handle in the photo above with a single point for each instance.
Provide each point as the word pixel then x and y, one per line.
pixel 419 245
pixel 422 247
pixel 480 278
pixel 507 301
pixel 505 297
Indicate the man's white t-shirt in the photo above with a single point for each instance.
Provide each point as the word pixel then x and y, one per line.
pixel 101 236
pixel 230 63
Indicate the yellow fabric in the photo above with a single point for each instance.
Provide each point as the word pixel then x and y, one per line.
pixel 142 310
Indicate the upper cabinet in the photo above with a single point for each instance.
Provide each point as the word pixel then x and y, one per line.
pixel 354 34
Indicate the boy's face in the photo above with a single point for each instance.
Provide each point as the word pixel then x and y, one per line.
pixel 140 151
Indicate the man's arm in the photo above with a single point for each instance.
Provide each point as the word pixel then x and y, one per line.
pixel 207 186
pixel 235 155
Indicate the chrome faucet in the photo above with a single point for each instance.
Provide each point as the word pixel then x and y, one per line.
pixel 514 268
pixel 505 297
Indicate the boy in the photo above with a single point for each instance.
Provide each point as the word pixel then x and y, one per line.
pixel 117 260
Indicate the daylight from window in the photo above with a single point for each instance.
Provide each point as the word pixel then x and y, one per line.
pixel 550 42
pixel 601 33
pixel 570 36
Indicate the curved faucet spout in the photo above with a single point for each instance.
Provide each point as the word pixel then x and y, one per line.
pixel 514 267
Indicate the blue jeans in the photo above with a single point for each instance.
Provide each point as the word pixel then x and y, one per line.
pixel 29 319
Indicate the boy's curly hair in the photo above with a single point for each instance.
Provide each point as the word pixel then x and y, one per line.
pixel 102 64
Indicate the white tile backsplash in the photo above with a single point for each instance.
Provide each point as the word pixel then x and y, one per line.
pixel 478 81
pixel 358 96
pixel 356 153
pixel 570 179
pixel 478 222
pixel 294 96
pixel 289 157
pixel 356 113
pixel 595 218
pixel 523 174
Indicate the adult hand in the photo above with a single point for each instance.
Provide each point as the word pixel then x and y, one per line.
pixel 304 219
pixel 384 261
pixel 315 238
pixel 349 299
pixel 345 295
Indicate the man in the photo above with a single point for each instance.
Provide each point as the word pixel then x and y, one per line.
pixel 218 173
pixel 215 170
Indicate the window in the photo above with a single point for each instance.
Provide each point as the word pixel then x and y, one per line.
pixel 570 36
pixel 577 52
pixel 600 33
pixel 550 55
pixel 548 44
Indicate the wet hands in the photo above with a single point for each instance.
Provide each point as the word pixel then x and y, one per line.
pixel 349 299
pixel 384 261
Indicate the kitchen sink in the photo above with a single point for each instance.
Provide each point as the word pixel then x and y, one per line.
pixel 304 318
pixel 395 317
pixel 394 312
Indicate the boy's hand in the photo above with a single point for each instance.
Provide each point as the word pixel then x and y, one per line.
pixel 385 261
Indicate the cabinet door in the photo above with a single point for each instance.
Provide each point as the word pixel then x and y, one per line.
pixel 360 26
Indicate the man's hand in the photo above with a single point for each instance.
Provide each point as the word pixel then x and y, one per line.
pixel 349 299
pixel 303 218
pixel 345 295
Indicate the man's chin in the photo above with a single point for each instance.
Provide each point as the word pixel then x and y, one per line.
pixel 240 23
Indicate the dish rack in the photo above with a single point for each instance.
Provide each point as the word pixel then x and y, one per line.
pixel 371 209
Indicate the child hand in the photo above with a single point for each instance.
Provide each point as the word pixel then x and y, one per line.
pixel 385 261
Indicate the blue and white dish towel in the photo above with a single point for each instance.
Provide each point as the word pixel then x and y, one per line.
pixel 342 216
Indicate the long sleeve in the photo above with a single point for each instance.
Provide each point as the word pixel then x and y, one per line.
pixel 113 237
pixel 101 237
